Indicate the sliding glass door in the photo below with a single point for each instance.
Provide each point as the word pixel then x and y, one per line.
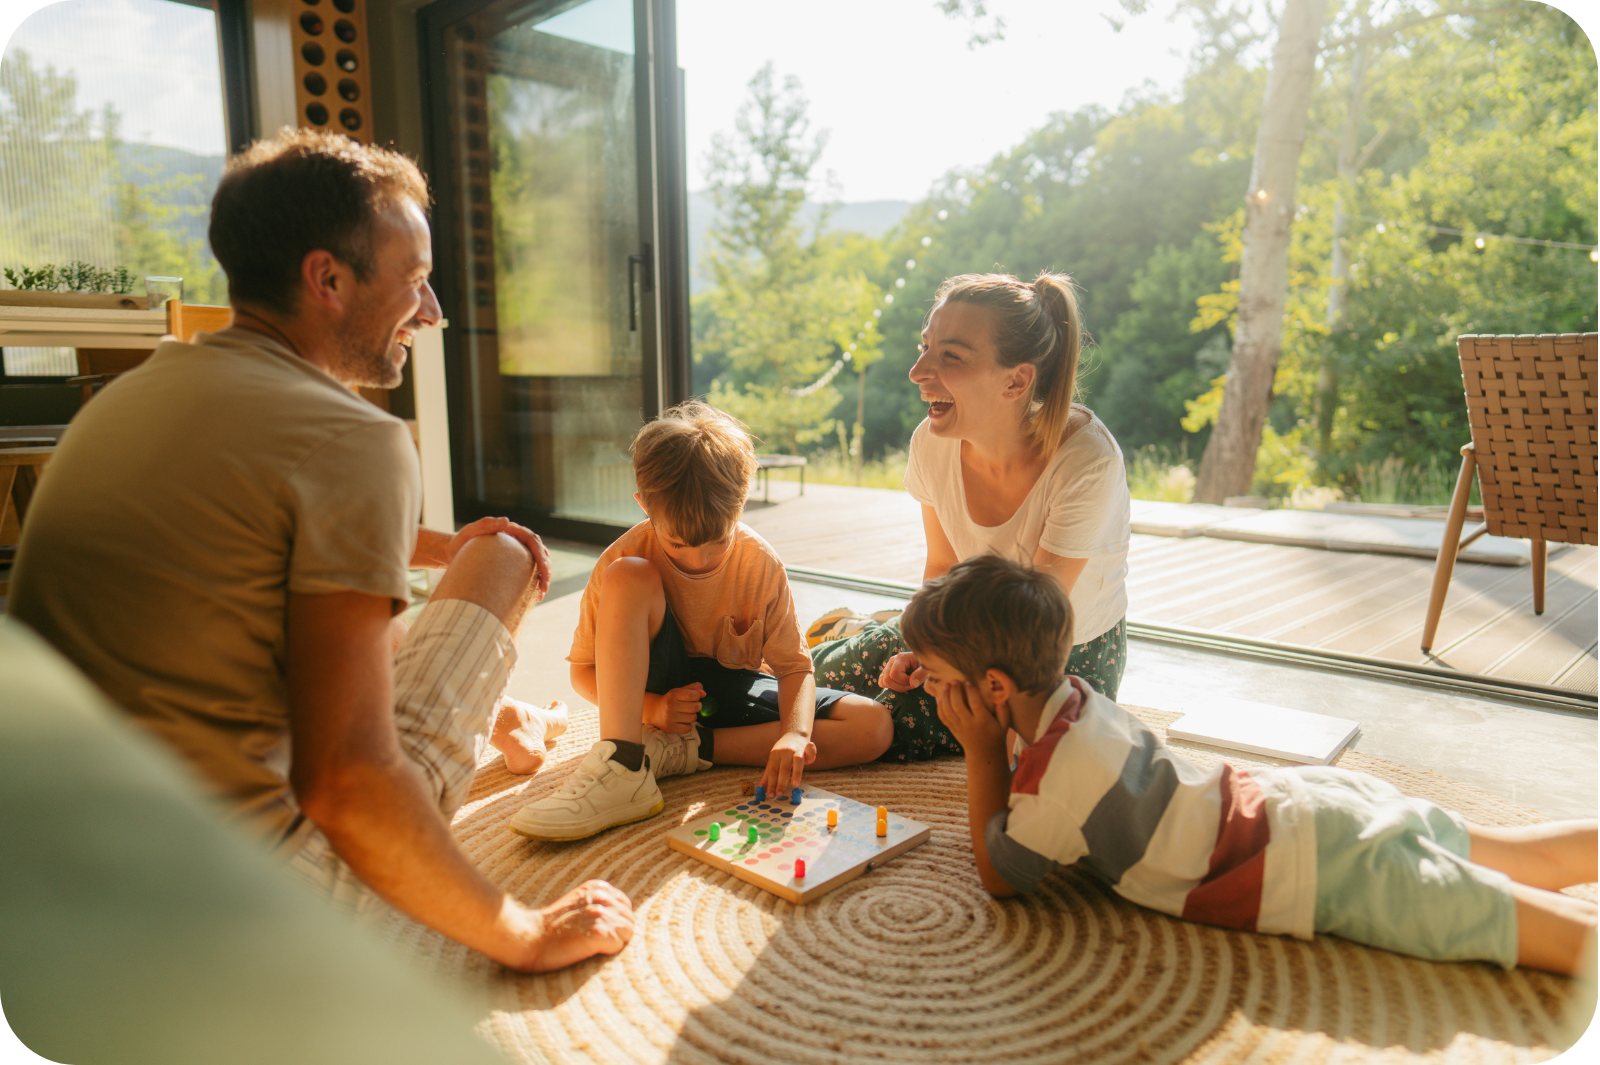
pixel 557 166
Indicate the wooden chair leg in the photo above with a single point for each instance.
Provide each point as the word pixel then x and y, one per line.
pixel 1446 564
pixel 1539 550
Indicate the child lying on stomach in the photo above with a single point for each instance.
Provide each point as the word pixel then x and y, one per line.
pixel 1292 850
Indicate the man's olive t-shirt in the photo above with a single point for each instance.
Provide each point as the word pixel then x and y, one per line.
pixel 184 503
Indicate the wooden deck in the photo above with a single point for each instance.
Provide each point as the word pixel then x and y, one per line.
pixel 1340 601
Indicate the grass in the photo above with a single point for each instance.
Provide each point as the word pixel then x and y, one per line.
pixel 829 467
pixel 1397 481
pixel 1157 473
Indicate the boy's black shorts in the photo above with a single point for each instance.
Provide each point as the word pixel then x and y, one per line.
pixel 735 697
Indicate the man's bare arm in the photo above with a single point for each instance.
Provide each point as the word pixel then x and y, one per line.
pixel 352 779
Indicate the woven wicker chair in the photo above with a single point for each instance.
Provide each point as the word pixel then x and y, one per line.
pixel 1531 402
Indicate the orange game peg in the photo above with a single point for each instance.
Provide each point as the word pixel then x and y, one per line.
pixel 833 818
pixel 883 826
pixel 883 813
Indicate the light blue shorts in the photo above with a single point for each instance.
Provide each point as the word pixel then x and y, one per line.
pixel 1393 872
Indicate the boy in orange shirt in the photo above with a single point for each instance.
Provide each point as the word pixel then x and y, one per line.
pixel 679 616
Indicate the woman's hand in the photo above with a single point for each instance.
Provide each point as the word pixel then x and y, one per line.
pixel 902 672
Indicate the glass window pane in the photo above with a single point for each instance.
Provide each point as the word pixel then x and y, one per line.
pixel 547 173
pixel 112 140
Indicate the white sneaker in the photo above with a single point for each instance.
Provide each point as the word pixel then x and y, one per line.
pixel 598 795
pixel 672 754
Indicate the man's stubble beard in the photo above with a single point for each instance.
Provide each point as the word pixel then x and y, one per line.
pixel 364 348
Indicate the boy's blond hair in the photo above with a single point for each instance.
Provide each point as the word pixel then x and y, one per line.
pixel 692 467
pixel 991 613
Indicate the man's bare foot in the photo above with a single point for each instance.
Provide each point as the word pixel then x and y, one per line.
pixel 524 732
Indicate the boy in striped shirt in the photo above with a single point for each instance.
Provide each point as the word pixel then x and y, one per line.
pixel 1291 850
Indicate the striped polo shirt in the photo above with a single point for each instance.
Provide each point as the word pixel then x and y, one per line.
pixel 1218 845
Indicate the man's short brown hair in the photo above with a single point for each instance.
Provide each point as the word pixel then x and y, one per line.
pixel 303 191
pixel 991 613
pixel 693 467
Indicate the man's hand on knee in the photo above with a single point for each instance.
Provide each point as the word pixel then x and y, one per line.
pixel 524 536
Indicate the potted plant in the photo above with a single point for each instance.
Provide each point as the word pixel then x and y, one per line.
pixel 75 285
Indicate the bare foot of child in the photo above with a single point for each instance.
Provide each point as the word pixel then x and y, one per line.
pixel 524 732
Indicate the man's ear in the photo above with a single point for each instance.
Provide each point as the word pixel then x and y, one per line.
pixel 997 688
pixel 328 282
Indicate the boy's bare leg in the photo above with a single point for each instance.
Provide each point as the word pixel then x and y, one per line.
pixel 632 607
pixel 857 730
pixel 1553 930
pixel 524 733
pixel 1553 855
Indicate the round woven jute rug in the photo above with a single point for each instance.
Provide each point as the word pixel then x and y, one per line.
pixel 914 962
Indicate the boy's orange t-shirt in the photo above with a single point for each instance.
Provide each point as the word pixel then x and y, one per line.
pixel 741 613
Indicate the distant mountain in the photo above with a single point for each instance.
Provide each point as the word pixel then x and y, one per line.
pixel 872 217
pixel 189 180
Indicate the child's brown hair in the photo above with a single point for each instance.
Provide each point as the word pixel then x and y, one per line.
pixel 991 613
pixel 692 467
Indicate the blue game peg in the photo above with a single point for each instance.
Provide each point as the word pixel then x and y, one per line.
pixel 795 796
pixel 761 793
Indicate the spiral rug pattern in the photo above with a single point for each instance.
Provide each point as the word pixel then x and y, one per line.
pixel 914 962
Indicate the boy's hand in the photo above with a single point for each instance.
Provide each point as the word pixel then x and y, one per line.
pixel 962 711
pixel 676 710
pixel 789 757
pixel 902 672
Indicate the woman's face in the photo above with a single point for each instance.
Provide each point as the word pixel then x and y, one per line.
pixel 959 375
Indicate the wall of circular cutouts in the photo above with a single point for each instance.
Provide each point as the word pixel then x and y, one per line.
pixel 332 81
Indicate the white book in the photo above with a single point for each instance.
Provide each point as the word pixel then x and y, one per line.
pixel 1275 731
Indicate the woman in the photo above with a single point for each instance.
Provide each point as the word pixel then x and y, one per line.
pixel 1006 463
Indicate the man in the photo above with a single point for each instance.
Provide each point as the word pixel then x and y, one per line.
pixel 223 538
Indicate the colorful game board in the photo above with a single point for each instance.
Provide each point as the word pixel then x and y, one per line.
pixel 786 832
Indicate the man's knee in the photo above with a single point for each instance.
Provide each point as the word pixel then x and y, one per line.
pixel 496 572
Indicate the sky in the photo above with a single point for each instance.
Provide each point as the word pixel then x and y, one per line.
pixel 169 50
pixel 902 97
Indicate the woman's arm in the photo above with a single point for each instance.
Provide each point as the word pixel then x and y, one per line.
pixel 1065 570
pixel 941 556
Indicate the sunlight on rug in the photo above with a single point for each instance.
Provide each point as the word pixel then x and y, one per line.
pixel 915 963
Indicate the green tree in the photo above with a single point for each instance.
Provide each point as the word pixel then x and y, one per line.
pixel 65 194
pixel 780 314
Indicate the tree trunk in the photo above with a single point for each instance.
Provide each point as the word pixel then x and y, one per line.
pixel 1230 458
pixel 1339 291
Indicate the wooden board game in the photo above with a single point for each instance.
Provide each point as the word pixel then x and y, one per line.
pixel 786 832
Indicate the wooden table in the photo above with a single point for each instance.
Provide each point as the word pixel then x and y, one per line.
pixel 780 462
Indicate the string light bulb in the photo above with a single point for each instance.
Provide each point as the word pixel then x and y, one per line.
pixel 899 282
pixel 1261 194
pixel 1594 256
pixel 1479 242
pixel 1382 228
pixel 887 298
pixel 926 241
pixel 911 264
pixel 943 215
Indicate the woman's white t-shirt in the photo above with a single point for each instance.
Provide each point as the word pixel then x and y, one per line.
pixel 1078 508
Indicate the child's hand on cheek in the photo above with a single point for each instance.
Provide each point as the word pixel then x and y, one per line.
pixel 962 711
